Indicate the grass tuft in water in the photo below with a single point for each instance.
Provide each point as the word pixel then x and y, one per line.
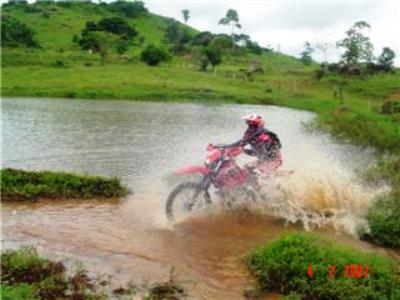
pixel 30 185
pixel 26 275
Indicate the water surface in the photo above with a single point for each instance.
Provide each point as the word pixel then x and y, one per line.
pixel 142 143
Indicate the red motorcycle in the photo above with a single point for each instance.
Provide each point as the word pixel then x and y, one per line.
pixel 221 171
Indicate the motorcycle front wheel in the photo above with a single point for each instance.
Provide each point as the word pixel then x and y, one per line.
pixel 186 197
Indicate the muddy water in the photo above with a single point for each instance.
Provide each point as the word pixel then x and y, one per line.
pixel 142 143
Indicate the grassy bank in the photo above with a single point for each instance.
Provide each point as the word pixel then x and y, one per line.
pixel 306 267
pixel 31 185
pixel 27 275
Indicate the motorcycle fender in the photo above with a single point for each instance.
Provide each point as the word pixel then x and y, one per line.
pixel 193 169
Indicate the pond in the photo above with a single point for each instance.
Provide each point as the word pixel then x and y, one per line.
pixel 142 143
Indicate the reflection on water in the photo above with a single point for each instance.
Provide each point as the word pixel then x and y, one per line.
pixel 142 143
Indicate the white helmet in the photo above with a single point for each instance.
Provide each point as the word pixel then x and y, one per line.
pixel 253 120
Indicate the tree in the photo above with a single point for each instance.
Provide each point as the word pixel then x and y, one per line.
pixel 122 46
pixel 153 55
pixel 386 59
pixel 203 38
pixel 231 19
pixel 211 56
pixel 14 33
pixel 241 39
pixel 178 36
pixel 116 25
pixel 117 28
pixel 254 47
pixel 15 2
pixel 358 47
pixel 128 8
pixel 221 42
pixel 98 42
pixel 305 55
pixel 324 48
pixel 186 15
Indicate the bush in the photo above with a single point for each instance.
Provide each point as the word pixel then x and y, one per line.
pixel 14 33
pixel 117 26
pixel 153 55
pixel 203 38
pixel 283 266
pixel 254 47
pixel 211 55
pixel 384 220
pixel 59 64
pixel 386 170
pixel 390 107
pixel 15 3
pixel 24 185
pixel 129 9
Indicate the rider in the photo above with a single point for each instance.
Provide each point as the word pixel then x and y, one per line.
pixel 265 145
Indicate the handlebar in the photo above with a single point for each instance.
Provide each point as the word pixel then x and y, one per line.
pixel 217 146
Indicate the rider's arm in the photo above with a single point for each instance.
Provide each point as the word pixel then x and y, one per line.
pixel 236 144
pixel 241 143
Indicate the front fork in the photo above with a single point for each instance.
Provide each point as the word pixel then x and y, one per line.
pixel 206 182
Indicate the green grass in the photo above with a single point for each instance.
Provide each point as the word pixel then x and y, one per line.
pixel 30 185
pixel 18 292
pixel 26 275
pixel 282 266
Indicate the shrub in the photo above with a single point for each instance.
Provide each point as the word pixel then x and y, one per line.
pixel 14 33
pixel 203 38
pixel 117 26
pixel 59 64
pixel 390 107
pixel 176 34
pixel 15 3
pixel 284 265
pixel 153 55
pixel 129 9
pixel 254 47
pixel 211 56
pixel 384 220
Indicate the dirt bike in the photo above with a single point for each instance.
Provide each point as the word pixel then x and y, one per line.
pixel 220 171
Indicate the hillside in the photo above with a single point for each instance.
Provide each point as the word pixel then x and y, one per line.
pixel 60 69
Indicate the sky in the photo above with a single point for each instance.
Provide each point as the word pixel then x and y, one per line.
pixel 286 24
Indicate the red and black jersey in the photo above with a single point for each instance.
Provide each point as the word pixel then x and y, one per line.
pixel 264 143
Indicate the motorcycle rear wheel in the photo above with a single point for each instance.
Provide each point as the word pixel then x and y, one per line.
pixel 185 197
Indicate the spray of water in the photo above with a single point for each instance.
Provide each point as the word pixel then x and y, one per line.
pixel 325 190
